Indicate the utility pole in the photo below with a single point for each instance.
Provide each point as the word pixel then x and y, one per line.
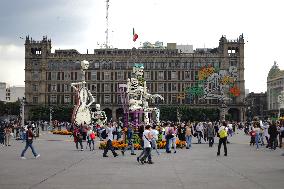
pixel 107 6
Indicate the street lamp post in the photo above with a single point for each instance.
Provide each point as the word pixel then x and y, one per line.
pixel 23 111
pixel 50 117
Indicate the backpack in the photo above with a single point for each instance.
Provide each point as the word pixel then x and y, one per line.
pixel 92 136
pixel 223 133
pixel 104 134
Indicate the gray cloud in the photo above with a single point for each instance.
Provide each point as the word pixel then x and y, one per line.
pixel 59 19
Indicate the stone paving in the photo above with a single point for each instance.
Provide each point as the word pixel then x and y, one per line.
pixel 61 166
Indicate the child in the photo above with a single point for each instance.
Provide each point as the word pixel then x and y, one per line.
pixel 252 137
pixel 91 138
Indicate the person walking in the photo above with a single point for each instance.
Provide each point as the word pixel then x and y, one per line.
pixel 281 135
pixel 172 141
pixel 210 134
pixel 8 133
pixel 155 138
pixel 223 134
pixel 188 135
pixel 199 130
pixel 29 143
pixel 2 134
pixel 272 131
pixel 91 137
pixel 147 137
pixel 256 129
pixel 181 133
pixel 129 134
pixel 109 132
pixel 78 137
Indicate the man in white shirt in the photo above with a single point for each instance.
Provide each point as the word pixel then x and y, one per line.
pixel 147 137
pixel 199 130
pixel 155 138
pixel 109 132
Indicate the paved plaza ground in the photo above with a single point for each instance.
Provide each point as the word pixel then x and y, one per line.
pixel 61 166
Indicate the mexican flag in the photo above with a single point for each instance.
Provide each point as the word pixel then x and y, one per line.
pixel 135 35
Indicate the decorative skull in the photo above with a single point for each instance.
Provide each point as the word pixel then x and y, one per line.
pixel 85 64
pixel 98 107
pixel 138 70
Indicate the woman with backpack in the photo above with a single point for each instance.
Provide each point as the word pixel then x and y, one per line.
pixel 223 133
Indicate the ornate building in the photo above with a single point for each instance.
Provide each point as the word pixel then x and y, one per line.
pixel 168 71
pixel 275 84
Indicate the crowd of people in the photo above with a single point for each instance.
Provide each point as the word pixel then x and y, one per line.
pixel 266 133
pixel 205 132
pixel 269 133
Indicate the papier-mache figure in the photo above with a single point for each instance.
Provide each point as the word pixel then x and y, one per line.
pixel 146 98
pixel 99 116
pixel 82 113
pixel 135 88
pixel 138 94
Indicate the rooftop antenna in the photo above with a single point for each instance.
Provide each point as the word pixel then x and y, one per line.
pixel 107 6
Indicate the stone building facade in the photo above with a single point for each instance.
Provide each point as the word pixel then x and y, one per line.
pixel 275 84
pixel 256 106
pixel 167 71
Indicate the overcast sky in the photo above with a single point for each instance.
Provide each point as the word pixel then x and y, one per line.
pixel 81 25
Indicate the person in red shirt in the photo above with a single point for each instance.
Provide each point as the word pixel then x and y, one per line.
pixel 29 143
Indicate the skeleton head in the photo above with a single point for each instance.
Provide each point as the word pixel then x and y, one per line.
pixel 138 70
pixel 98 107
pixel 233 70
pixel 84 65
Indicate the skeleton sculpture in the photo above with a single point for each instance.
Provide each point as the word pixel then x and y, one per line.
pixel 135 89
pixel 99 116
pixel 217 83
pixel 82 112
pixel 138 94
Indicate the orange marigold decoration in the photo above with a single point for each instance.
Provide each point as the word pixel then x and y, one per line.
pixel 235 91
pixel 205 72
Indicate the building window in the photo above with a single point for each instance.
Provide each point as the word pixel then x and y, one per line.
pixel 53 88
pixel 34 87
pixel 94 87
pixel 107 99
pixel 53 76
pixel 67 99
pixel 106 75
pixel 93 75
pixel 35 99
pixel 233 62
pixel 187 75
pixel 67 76
pixel 174 99
pixel 53 99
pixel 174 75
pixel 107 87
pixel 147 75
pixel 97 65
pixel 66 88
pixel 174 86
pixel 120 75
pixel 160 75
pixel 35 75
pixel 160 87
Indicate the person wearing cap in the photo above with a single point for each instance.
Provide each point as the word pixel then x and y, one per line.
pixel 223 134
pixel 210 134
pixel 29 143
